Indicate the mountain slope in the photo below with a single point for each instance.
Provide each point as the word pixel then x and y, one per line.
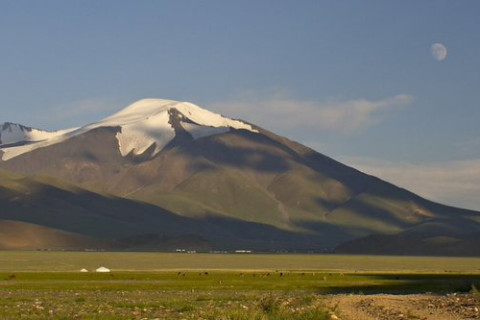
pixel 215 171
pixel 40 209
pixel 17 235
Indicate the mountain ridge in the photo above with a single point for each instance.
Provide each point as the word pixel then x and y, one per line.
pixel 143 123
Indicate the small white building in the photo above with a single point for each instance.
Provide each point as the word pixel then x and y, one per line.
pixel 83 270
pixel 102 269
pixel 243 251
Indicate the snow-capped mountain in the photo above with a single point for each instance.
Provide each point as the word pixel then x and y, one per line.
pixel 143 124
pixel 155 121
pixel 173 169
pixel 12 133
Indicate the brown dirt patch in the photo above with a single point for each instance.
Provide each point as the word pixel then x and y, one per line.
pixel 399 307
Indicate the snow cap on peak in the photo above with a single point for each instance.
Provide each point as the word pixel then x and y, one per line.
pixel 141 108
pixel 147 122
pixel 146 108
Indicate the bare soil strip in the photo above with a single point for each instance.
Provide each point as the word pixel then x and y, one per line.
pixel 398 307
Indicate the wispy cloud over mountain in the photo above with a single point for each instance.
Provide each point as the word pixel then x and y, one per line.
pixel 279 111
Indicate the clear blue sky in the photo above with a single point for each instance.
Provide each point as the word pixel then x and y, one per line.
pixel 353 79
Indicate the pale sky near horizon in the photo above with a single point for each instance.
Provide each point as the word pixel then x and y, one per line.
pixel 355 80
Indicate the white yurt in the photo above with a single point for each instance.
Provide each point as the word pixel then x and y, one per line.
pixel 102 269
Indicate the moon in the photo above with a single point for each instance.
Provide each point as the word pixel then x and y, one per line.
pixel 439 51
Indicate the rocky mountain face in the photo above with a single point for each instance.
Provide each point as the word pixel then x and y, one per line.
pixel 170 172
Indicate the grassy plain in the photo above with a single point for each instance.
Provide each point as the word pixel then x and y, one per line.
pixel 39 285
pixel 137 261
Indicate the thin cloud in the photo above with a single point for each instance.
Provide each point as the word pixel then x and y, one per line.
pixel 454 183
pixel 278 111
pixel 469 147
pixel 78 112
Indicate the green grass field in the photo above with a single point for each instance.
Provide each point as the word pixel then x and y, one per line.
pixel 39 285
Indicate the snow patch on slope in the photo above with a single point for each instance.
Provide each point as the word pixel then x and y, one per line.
pixel 198 132
pixel 11 133
pixel 143 124
pixel 138 136
pixel 207 118
pixel 12 152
